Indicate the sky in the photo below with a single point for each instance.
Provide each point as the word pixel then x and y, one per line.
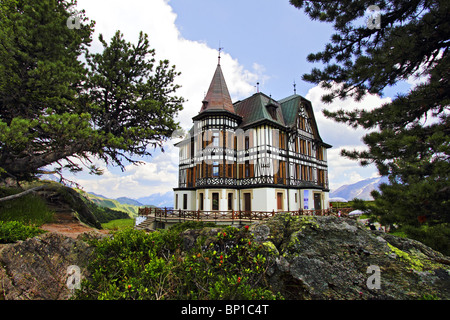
pixel 265 41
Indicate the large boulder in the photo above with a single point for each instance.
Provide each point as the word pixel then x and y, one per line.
pixel 338 258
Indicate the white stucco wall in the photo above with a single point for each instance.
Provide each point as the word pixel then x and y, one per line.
pixel 190 199
pixel 263 199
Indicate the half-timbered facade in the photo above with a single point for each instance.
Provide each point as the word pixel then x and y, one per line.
pixel 257 154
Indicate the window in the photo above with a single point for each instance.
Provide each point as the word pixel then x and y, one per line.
pixel 200 200
pixel 215 139
pixel 247 142
pixel 215 168
pixel 282 140
pixel 185 201
pixel 230 201
pixel 215 201
pixel 176 201
pixel 272 109
pixel 247 169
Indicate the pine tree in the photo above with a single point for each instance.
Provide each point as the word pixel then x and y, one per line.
pixel 409 140
pixel 54 108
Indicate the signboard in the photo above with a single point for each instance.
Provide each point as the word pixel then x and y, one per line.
pixel 305 199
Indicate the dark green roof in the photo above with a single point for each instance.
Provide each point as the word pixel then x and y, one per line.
pixel 255 109
pixel 289 107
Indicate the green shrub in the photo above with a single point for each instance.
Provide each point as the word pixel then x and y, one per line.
pixel 12 231
pixel 136 265
pixel 436 237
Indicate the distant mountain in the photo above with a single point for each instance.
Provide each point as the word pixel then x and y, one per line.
pixel 158 200
pixel 131 205
pixel 360 190
pixel 98 195
pixel 126 200
pixel 114 204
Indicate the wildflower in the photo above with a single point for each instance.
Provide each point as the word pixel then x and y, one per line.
pixel 246 228
pixel 224 234
pixel 239 280
pixel 129 286
pixel 199 255
pixel 221 257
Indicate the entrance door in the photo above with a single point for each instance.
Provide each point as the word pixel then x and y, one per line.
pixel 280 201
pixel 317 202
pixel 247 202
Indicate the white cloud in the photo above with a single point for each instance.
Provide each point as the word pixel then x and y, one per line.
pixel 196 62
pixel 342 170
pixel 338 134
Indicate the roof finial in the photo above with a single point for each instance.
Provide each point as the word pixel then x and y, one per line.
pixel 295 90
pixel 220 49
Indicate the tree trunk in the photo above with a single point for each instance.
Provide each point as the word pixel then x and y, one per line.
pixel 21 194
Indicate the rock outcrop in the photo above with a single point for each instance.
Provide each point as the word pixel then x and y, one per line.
pixel 37 269
pixel 338 258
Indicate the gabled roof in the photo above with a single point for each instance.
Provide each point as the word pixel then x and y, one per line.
pixel 291 106
pixel 256 109
pixel 217 97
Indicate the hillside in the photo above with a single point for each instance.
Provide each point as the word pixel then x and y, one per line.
pixel 114 204
pixel 360 189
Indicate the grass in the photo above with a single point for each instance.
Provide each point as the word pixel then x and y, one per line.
pixel 118 224
pixel 29 209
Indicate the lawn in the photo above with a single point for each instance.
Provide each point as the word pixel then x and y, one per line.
pixel 118 224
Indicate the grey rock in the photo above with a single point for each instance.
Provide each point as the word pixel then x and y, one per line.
pixel 36 269
pixel 328 258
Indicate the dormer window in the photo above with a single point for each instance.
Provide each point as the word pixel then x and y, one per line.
pixel 272 109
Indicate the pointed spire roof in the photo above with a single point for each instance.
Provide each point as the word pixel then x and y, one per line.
pixel 218 97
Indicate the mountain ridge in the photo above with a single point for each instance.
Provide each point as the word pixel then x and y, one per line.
pixel 360 189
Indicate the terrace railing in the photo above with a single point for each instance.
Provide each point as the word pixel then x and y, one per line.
pixel 165 214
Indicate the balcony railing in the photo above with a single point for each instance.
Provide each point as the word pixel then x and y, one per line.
pixel 251 181
pixel 165 214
